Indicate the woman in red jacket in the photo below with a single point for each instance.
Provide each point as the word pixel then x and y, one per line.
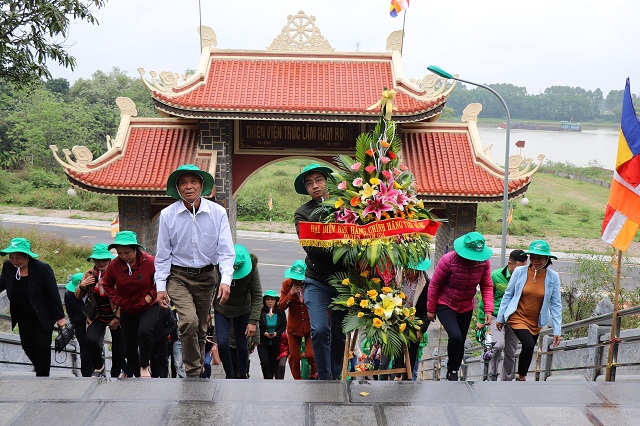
pixel 453 288
pixel 128 282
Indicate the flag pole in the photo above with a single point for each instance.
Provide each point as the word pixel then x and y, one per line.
pixel 615 332
pixel 404 19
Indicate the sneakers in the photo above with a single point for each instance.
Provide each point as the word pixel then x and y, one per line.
pixel 452 376
pixel 98 373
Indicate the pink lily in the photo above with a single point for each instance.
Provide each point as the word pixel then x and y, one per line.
pixel 346 216
pixel 342 185
pixel 356 166
pixel 377 205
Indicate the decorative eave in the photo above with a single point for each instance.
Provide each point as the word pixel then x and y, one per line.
pixel 296 79
pixel 451 165
pixel 140 158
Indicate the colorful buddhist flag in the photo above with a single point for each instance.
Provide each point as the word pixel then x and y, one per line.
pixel 115 226
pixel 270 201
pixel 398 6
pixel 520 144
pixel 622 216
pixel 510 214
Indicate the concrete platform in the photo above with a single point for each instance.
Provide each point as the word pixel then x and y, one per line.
pixel 87 401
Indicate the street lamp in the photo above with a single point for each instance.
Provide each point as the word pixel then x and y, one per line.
pixel 505 199
pixel 70 194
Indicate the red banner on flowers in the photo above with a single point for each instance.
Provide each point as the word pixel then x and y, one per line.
pixel 315 231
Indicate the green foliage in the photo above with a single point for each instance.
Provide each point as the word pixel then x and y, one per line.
pixel 63 257
pixel 594 170
pixel 33 33
pixel 593 279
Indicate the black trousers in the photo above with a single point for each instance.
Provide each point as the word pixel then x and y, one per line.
pixel 269 359
pixel 457 325
pixel 160 359
pixel 528 342
pixel 86 363
pixel 95 338
pixel 36 343
pixel 138 337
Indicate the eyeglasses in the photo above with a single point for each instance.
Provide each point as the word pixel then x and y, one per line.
pixel 310 182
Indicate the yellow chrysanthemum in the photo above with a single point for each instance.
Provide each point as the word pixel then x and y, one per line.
pixel 351 301
pixel 405 312
pixel 402 327
pixel 345 281
pixel 364 303
pixel 372 294
pixel 339 203
pixel 358 295
pixel 375 280
pixel 360 314
pixel 401 295
pixel 364 274
pixel 386 290
pixel 377 322
pixel 378 312
pixel 374 181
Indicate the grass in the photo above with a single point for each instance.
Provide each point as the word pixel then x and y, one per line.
pixel 558 207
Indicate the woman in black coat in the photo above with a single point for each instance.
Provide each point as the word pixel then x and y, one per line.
pixel 273 322
pixel 34 301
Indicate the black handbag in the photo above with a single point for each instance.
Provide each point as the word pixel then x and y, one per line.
pixel 89 309
pixel 65 334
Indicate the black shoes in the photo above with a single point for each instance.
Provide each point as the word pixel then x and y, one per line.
pixel 452 376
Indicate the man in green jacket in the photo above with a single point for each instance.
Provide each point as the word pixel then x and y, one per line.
pixel 500 278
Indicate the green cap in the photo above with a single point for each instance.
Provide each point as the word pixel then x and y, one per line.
pixel 125 238
pixel 541 248
pixel 207 180
pixel 296 271
pixel 75 280
pixel 19 245
pixel 299 182
pixel 472 246
pixel 100 252
pixel 242 265
pixel 270 293
pixel 423 265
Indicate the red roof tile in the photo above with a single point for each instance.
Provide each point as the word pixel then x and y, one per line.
pixel 150 153
pixel 447 167
pixel 296 84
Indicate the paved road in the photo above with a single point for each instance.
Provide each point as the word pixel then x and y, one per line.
pixel 275 251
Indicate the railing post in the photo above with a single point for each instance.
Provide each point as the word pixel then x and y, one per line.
pixel 538 358
pixel 592 357
pixel 547 357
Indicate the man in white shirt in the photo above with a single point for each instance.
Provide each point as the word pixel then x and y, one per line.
pixel 194 253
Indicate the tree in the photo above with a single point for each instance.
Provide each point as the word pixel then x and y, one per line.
pixel 32 32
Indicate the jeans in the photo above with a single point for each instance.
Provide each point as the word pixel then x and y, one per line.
pixel 206 374
pixel 457 325
pixel 327 337
pixel 223 324
pixel 177 359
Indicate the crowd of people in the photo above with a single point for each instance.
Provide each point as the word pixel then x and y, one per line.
pixel 200 300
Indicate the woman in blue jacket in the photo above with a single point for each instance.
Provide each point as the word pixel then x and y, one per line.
pixel 530 301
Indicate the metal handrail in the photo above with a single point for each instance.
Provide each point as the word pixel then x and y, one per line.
pixel 635 310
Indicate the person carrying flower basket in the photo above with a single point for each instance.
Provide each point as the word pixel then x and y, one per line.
pixel 364 222
pixel 327 337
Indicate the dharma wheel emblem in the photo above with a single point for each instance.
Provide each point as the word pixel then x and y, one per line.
pixel 300 29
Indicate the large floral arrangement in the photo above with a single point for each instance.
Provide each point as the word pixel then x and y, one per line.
pixel 378 224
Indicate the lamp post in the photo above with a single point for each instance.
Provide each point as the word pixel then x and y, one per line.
pixel 505 199
pixel 70 194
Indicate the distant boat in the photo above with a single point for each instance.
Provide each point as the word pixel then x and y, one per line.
pixel 564 126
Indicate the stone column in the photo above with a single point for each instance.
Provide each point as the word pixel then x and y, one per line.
pixel 135 215
pixel 461 218
pixel 217 135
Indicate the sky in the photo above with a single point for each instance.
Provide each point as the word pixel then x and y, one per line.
pixel 536 44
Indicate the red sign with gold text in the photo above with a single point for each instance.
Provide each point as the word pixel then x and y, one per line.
pixel 374 230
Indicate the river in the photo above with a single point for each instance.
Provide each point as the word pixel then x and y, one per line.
pixel 578 148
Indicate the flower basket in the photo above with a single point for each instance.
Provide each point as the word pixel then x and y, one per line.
pixel 377 225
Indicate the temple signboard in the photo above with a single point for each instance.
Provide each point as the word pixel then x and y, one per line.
pixel 256 136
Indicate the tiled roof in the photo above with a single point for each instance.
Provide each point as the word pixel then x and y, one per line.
pixel 447 166
pixel 149 154
pixel 297 85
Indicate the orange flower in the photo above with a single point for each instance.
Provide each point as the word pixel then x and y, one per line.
pixel 375 280
pixel 378 312
pixel 386 290
pixel 377 322
pixel 355 201
pixel 385 215
pixel 400 214
pixel 360 314
pixel 364 274
pixel 402 327
pixel 364 303
pixel 372 294
pixel 385 144
pixel 351 301
pixel 370 152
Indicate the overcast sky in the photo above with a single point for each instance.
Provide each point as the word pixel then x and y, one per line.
pixel 586 43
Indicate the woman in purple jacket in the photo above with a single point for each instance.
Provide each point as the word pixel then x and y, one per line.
pixel 453 288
